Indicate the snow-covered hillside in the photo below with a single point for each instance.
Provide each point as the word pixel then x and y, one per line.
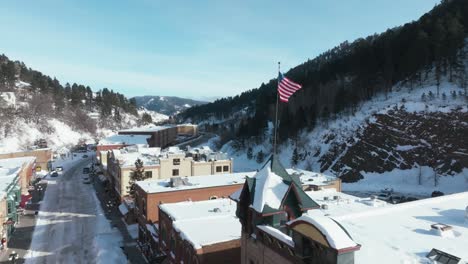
pixel 155 116
pixel 344 144
pixel 25 120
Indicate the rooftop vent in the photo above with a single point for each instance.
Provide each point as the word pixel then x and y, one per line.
pixel 325 198
pixel 325 206
pixel 336 197
pixel 216 210
pixel 176 182
pixel 442 229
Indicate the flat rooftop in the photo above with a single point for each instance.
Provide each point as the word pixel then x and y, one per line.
pixel 125 140
pixel 196 182
pixel 402 233
pixel 339 203
pixel 218 215
pixel 312 178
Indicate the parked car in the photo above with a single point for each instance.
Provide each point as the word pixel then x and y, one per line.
pixel 86 170
pixel 54 174
pixel 384 196
pixel 86 180
pixel 396 199
pixel 85 156
pixel 59 168
pixel 437 194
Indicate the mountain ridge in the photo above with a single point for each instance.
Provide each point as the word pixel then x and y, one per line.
pixel 167 105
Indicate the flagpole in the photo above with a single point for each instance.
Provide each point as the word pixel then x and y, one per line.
pixel 276 114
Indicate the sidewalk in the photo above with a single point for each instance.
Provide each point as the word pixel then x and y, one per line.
pixel 130 247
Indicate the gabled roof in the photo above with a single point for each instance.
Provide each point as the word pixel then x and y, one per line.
pixel 272 184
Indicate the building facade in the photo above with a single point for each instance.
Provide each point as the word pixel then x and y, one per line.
pixel 181 241
pixel 161 165
pixel 15 176
pixel 151 194
pixel 275 229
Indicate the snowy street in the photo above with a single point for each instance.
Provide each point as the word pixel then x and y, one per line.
pixel 70 219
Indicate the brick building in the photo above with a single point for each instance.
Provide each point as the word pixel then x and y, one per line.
pixel 183 239
pixel 150 194
pixel 272 209
pixel 160 136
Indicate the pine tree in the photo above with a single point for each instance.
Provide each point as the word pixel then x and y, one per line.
pixel 146 119
pixel 249 153
pixel 295 157
pixel 138 174
pixel 260 156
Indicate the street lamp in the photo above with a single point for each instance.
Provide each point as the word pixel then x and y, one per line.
pixel 13 257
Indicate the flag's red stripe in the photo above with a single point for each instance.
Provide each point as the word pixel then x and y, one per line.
pixel 289 86
pixel 283 94
pixel 285 90
pixel 297 86
pixel 283 86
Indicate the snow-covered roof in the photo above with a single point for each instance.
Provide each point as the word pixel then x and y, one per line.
pixel 219 215
pixel 147 128
pixel 195 182
pixel 310 177
pixel 269 189
pixel 334 234
pixel 127 156
pixel 194 210
pixel 277 234
pixel 339 203
pixel 125 139
pixel 9 169
pixel 402 233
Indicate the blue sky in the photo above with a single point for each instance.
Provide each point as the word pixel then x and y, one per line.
pixel 186 48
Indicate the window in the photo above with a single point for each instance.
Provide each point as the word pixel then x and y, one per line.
pixel 176 161
pixel 218 169
pixel 175 172
pixel 148 174
pixel 10 208
pixel 225 168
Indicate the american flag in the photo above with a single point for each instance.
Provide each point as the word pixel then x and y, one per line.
pixel 286 88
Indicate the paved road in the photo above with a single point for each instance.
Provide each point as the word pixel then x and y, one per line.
pixel 66 224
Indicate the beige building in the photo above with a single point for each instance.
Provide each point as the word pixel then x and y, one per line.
pixel 158 164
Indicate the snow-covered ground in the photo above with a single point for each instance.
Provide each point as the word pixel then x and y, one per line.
pixel 71 225
pixel 407 182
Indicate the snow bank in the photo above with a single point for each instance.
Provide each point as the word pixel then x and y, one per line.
pixel 108 240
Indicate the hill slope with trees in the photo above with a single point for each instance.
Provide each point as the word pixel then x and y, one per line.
pixel 343 77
